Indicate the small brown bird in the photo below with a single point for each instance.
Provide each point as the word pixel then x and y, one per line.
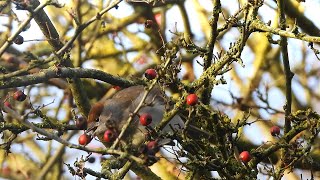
pixel 115 112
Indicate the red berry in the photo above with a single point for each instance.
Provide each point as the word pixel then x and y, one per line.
pixel 143 59
pixel 18 40
pixel 19 96
pixel 275 130
pixel 152 144
pixel 109 136
pixel 6 171
pixel 192 99
pixel 150 74
pixel 148 24
pixel 245 156
pixel 84 139
pixel 152 147
pixel 81 123
pixel 145 119
pixel 7 104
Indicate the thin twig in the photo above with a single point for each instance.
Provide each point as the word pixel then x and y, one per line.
pixel 260 26
pixel 22 26
pixel 81 27
pixel 53 159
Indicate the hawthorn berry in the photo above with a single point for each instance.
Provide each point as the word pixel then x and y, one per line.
pixel 152 147
pixel 19 96
pixel 148 24
pixel 142 59
pixel 8 105
pixel 81 123
pixel 192 99
pixel 18 40
pixel 84 139
pixel 275 130
pixel 6 171
pixel 109 136
pixel 245 156
pixel 150 74
pixel 145 119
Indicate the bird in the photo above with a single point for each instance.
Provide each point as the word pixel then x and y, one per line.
pixel 113 113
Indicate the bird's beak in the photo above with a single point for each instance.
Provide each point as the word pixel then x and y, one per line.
pixel 91 128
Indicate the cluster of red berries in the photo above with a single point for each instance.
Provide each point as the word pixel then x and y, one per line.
pixel 108 136
pixel 18 96
pixel 146 119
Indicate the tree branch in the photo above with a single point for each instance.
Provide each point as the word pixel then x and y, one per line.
pixel 44 75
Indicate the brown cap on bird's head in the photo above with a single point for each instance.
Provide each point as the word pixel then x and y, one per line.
pixel 95 112
pixel 93 117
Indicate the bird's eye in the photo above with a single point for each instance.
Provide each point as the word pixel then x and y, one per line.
pixel 97 120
